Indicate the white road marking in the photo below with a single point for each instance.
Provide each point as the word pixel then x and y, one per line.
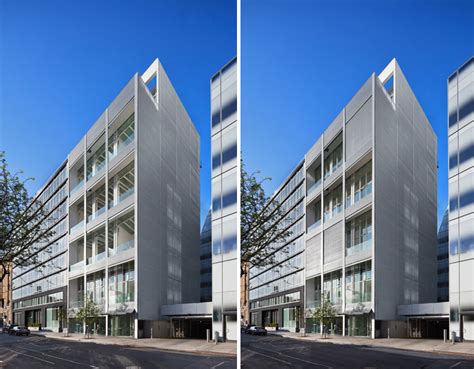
pixel 34 357
pixel 455 365
pixel 215 366
pixel 268 356
pixel 60 358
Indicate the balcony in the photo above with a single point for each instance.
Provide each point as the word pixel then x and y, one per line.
pixel 359 247
pixel 77 188
pixel 78 227
pixel 77 267
pixel 122 247
pixel 359 195
pixel 333 212
pixel 96 170
pixel 96 258
pixel 336 165
pixel 314 226
pixel 96 214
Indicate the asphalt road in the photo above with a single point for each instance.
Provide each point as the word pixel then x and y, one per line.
pixel 38 352
pixel 277 352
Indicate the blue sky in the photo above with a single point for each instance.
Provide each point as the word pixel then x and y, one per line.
pixel 302 61
pixel 63 62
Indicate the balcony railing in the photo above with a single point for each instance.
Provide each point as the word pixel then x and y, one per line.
pixel 97 169
pixel 314 225
pixel 120 147
pixel 77 227
pixel 76 188
pixel 359 195
pixel 335 167
pixel 314 186
pixel 359 292
pixel 332 213
pixel 96 214
pixel 122 247
pixel 76 267
pixel 359 247
pixel 96 258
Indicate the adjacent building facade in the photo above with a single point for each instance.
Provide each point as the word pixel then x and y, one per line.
pixel 6 300
pixel 126 218
pixel 225 186
pixel 206 259
pixel 443 259
pixel 361 208
pixel 461 199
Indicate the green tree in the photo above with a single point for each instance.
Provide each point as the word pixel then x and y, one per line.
pixel 23 230
pixel 263 225
pixel 325 314
pixel 88 314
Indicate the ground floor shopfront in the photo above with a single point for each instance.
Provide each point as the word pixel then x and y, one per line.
pixel 347 325
pixel 284 317
pixel 46 310
pixel 105 325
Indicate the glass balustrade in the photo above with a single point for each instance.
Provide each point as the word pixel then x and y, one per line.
pixel 314 186
pixel 122 247
pixel 314 225
pixel 96 214
pixel 96 258
pixel 77 266
pixel 77 188
pixel 77 227
pixel 362 246
pixel 98 167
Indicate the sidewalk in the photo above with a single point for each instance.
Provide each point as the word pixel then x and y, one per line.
pixel 415 344
pixel 169 344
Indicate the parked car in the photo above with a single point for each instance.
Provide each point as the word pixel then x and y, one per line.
pixel 247 327
pixel 10 328
pixel 260 331
pixel 20 331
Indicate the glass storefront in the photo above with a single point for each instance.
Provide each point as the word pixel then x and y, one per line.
pixel 75 326
pixel 289 318
pixel 52 318
pixel 121 325
pixel 358 325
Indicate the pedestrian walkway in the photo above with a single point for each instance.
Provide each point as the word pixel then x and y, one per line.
pixel 416 344
pixel 170 344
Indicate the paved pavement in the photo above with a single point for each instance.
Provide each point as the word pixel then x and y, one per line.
pixel 185 345
pixel 285 353
pixel 417 344
pixel 37 352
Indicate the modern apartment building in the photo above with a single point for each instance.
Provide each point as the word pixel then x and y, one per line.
pixel 443 259
pixel 225 186
pixel 39 292
pixel 129 197
pixel 206 259
pixel 461 199
pixel 361 208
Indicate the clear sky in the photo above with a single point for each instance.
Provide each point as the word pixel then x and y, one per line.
pixel 302 61
pixel 63 62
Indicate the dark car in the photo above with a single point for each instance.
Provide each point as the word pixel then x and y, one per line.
pixel 246 328
pixel 258 331
pixel 10 328
pixel 20 331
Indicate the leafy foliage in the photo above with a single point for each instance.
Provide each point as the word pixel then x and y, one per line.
pixel 263 223
pixel 88 314
pixel 324 313
pixel 22 230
